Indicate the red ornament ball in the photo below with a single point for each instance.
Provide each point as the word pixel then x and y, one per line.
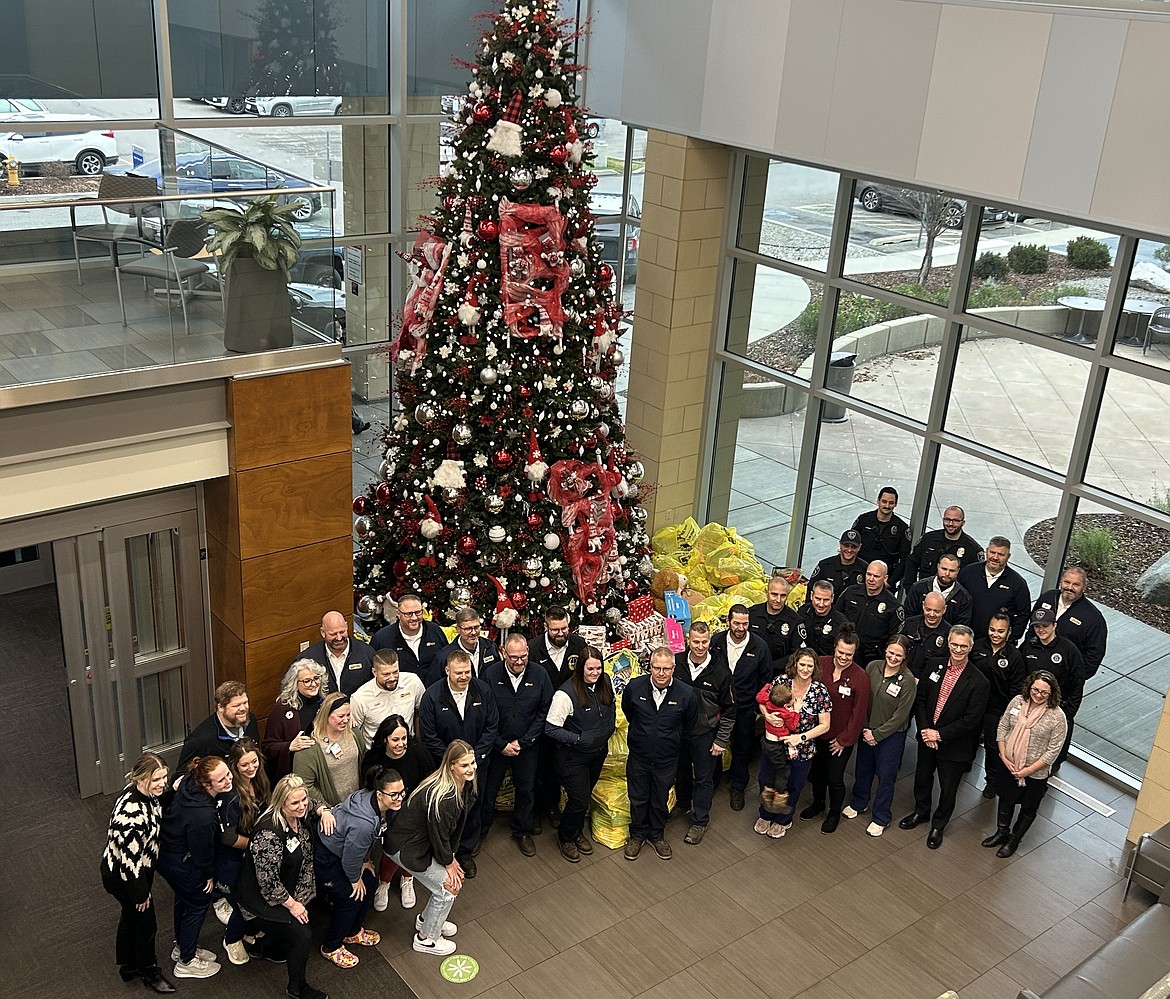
pixel 519 600
pixel 631 588
pixel 384 493
pixel 488 230
pixel 604 275
pixel 399 568
pixel 525 392
pixel 558 154
pixel 466 545
pixel 534 520
pixel 502 458
pixel 481 114
pixel 359 504
pixel 535 497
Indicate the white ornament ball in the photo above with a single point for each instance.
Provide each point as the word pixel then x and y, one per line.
pixel 497 534
pixel 552 541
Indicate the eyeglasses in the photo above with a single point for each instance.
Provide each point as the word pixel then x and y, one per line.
pixel 394 795
pixel 522 658
pixel 661 669
pixel 1039 690
pixel 959 646
pixel 311 681
pixel 417 613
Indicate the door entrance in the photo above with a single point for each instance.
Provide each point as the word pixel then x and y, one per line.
pixel 131 599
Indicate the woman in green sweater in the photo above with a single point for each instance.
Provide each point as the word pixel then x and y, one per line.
pixel 331 767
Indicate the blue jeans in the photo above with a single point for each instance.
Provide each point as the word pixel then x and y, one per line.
pixel 191 902
pixel 883 761
pixel 797 778
pixel 435 913
pixel 348 912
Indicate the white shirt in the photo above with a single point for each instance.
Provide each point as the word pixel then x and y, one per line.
pixel 370 704
pixel 460 701
pixel 735 651
pixel 991 578
pixel 414 641
pixel 337 663
pixel 515 678
pixel 556 655
pixel 1061 607
pixel 561 707
pixel 697 668
pixel 938 589
pixel 658 695
pixel 474 653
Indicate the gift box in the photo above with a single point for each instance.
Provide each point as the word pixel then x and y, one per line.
pixel 640 608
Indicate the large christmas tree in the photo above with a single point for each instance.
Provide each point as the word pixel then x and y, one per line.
pixel 507 483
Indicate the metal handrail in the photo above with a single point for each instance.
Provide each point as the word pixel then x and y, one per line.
pixel 163 198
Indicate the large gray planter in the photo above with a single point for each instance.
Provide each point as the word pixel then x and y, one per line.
pixel 257 314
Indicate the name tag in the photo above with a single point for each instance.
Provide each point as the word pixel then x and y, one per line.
pixel 1075 620
pixel 894 689
pixel 354 666
pixel 334 749
pixel 1014 711
pixel 292 845
pixel 845 691
pixel 934 676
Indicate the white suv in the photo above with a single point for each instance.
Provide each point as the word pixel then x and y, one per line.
pixel 22 137
pixel 286 107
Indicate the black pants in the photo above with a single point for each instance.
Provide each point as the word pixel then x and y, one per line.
pixel 578 772
pixel 523 767
pixel 291 940
pixel 827 774
pixel 649 789
pixel 134 943
pixel 1067 742
pixel 695 785
pixel 1027 797
pixel 548 778
pixel 473 830
pixel 743 740
pixel 993 766
pixel 348 912
pixel 950 774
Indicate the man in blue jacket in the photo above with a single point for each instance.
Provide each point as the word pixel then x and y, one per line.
pixel 416 641
pixel 459 707
pixel 661 714
pixel 522 697
pixel 483 651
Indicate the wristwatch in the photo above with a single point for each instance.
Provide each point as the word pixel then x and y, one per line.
pixel 804 737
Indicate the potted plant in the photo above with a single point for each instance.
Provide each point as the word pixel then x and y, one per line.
pixel 256 247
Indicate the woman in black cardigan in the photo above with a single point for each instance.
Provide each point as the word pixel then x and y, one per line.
pixel 127 866
pixel 423 841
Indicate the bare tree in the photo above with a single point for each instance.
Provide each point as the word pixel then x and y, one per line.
pixel 936 211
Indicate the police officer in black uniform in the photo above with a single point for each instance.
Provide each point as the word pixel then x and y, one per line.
pixel 704 745
pixel 844 569
pixel 951 539
pixel 874 611
pixel 927 633
pixel 661 715
pixel 1077 619
pixel 998 659
pixel 945 583
pixel 821 619
pixel 995 585
pixel 885 535
pixel 1046 649
pixel 775 623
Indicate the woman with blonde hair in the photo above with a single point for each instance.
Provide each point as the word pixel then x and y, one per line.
pixel 128 864
pixel 290 722
pixel 425 836
pixel 331 767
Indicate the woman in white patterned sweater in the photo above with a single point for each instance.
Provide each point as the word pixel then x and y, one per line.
pixel 128 865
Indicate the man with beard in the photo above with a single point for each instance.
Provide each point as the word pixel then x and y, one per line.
pixel 348 662
pixel 885 535
pixel 844 569
pixel 1078 620
pixel 944 582
pixel 951 539
pixel 821 619
pixel 995 585
pixel 415 641
pixel 390 692
pixel 747 658
pixel 228 724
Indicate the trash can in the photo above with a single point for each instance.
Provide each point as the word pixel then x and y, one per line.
pixel 839 378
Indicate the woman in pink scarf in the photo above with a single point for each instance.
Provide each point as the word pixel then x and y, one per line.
pixel 1030 735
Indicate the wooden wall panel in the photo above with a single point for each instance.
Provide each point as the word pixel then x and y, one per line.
pixel 220 511
pixel 225 578
pixel 228 654
pixel 268 658
pixel 287 590
pixel 296 503
pixel 286 417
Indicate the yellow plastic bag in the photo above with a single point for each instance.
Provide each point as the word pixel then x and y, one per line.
pixel 796 595
pixel 750 592
pixel 708 539
pixel 713 610
pixel 732 562
pixel 674 537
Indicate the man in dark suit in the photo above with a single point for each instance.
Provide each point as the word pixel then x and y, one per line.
pixel 994 585
pixel 348 662
pixel 416 641
pixel 460 707
pixel 747 657
pixel 557 651
pixel 949 708
pixel 484 652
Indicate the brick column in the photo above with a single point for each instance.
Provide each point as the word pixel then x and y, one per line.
pixel 678 259
pixel 279 547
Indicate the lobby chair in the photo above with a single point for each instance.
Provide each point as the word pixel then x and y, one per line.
pixel 1149 863
pixel 184 240
pixel 109 230
pixel 1159 326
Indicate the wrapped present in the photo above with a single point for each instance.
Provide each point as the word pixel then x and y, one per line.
pixel 647 631
pixel 618 646
pixel 640 608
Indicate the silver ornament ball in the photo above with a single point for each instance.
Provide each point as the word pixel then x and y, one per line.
pixel 489 376
pixel 461 434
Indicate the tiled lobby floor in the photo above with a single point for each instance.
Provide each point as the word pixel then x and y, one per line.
pixel 807 917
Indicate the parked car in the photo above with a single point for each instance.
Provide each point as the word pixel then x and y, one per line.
pixel 87 152
pixel 322 309
pixel 878 197
pixel 204 173
pixel 608 233
pixel 286 107
pixel 21 105
pixel 233 105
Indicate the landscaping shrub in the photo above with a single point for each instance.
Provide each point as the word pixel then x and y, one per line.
pixel 1094 548
pixel 808 321
pixel 1049 296
pixel 1025 258
pixel 1088 254
pixel 991 296
pixel 991 266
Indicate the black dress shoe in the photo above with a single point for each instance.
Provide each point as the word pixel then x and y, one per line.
pixel 468 866
pixel 156 981
pixel 934 839
pixel 913 820
pixel 832 820
pixel 988 791
pixel 526 845
pixel 129 974
pixel 812 811
pixel 537 826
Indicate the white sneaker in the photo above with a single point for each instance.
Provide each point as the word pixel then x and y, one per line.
pixel 849 812
pixel 777 831
pixel 382 896
pixel 449 928
pixel 223 910
pixel 200 954
pixel 236 952
pixel 408 899
pixel 874 830
pixel 441 947
pixel 197 967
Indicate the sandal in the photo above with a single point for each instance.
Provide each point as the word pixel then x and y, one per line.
pixel 365 938
pixel 341 957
